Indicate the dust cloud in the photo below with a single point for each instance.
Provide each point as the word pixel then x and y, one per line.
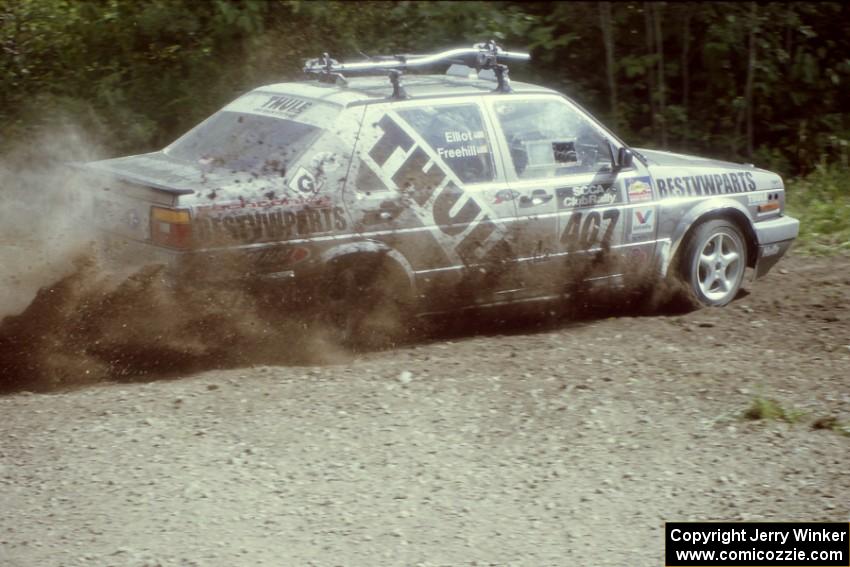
pixel 92 325
pixel 66 320
pixel 44 220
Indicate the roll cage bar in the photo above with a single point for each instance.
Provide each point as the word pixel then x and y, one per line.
pixel 487 55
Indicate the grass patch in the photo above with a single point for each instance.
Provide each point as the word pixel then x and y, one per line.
pixel 770 410
pixel 821 201
pixel 832 424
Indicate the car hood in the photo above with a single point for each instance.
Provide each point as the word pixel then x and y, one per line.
pixel 656 157
pixel 685 175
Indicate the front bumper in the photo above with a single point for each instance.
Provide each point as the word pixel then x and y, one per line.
pixel 774 239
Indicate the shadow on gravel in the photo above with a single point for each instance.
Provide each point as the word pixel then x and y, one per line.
pixel 642 300
pixel 89 328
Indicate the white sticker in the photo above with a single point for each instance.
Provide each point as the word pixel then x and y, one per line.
pixel 770 250
pixel 757 198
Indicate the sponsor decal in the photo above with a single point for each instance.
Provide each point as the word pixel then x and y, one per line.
pixel 643 220
pixel 590 195
pixel 303 181
pixel 463 221
pixel 392 140
pixel 709 184
pixel 504 196
pixel 279 224
pixel 298 201
pixel 590 230
pixel 639 189
pixel 284 105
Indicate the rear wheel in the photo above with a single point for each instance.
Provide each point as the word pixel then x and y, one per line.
pixel 366 302
pixel 713 262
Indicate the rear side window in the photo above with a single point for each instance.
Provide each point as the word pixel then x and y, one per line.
pixel 456 134
pixel 242 141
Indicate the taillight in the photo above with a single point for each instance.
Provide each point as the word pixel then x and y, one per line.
pixel 171 227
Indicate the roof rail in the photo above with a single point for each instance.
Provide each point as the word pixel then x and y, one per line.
pixel 486 55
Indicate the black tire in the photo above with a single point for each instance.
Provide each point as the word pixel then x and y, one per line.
pixel 713 262
pixel 366 302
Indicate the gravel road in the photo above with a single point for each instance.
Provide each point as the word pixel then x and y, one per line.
pixel 513 444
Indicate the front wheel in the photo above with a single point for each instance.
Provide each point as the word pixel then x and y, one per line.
pixel 713 262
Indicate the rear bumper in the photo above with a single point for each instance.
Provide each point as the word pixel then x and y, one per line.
pixel 774 239
pixel 267 264
pixel 122 254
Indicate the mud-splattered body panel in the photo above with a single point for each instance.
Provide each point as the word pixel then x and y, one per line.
pixel 477 197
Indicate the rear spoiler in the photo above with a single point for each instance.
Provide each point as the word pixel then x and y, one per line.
pixel 129 177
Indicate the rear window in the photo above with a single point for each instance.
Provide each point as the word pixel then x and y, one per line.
pixel 242 141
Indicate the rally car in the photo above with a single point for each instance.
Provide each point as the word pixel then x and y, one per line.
pixel 362 187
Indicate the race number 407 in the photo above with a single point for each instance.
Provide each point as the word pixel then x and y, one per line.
pixel 585 231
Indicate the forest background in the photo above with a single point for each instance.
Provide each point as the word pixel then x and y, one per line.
pixel 766 83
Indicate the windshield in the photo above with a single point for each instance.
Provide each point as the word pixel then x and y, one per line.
pixel 241 141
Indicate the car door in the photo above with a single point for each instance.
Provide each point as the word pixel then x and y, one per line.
pixel 428 185
pixel 574 216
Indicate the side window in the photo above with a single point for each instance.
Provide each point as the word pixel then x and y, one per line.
pixel 550 139
pixel 456 133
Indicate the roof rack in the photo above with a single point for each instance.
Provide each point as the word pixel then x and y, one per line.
pixel 480 56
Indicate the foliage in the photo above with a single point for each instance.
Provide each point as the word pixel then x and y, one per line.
pixel 134 75
pixel 769 409
pixel 821 201
pixel 127 70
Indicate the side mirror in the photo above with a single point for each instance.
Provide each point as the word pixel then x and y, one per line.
pixel 624 159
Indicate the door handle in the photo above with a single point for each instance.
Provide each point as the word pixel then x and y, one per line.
pixel 386 211
pixel 535 198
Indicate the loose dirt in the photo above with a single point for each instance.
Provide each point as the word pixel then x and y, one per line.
pixel 497 439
